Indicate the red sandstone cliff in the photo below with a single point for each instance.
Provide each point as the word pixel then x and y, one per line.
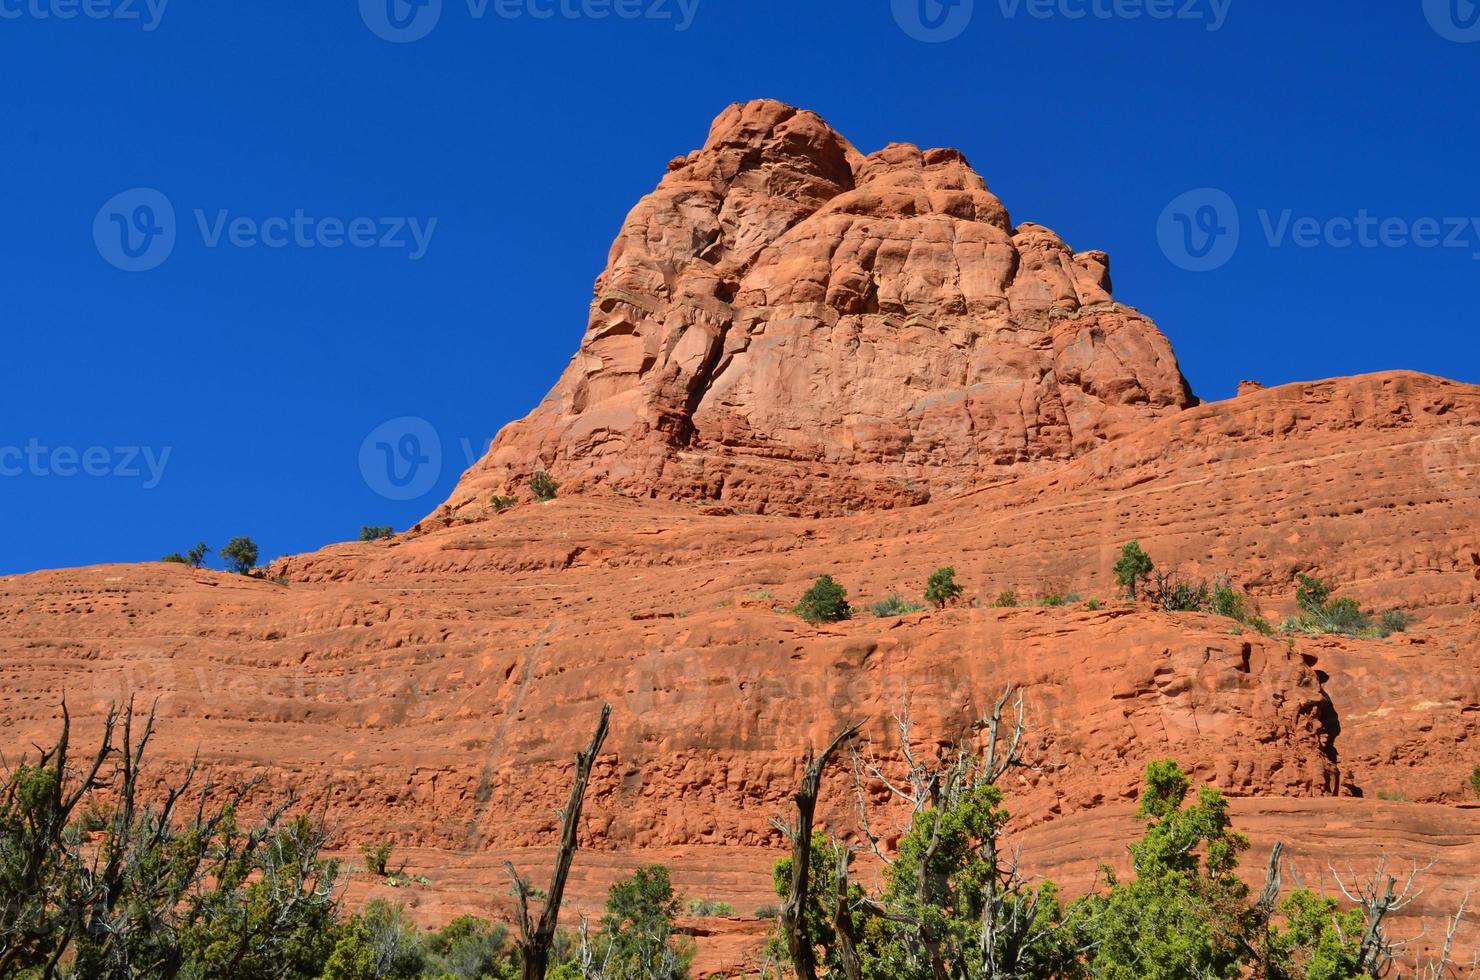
pixel 789 326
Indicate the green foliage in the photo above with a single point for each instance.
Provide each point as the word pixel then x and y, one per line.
pixel 543 486
pixel 380 943
pixel 378 857
pixel 825 602
pixel 97 878
pixel 501 504
pixel 1093 605
pixel 1228 601
pixel 195 557
pixel 930 910
pixel 240 555
pixel 1054 599
pixel 638 940
pixel 1173 592
pixel 699 908
pixel 1394 621
pixel 469 948
pixel 1311 593
pixel 1318 941
pixel 1475 781
pixel 1006 599
pixel 942 588
pixel 368 533
pixel 894 605
pixel 816 914
pixel 1183 913
pixel 1320 613
pixel 1133 567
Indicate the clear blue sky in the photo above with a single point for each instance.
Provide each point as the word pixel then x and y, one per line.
pixel 262 370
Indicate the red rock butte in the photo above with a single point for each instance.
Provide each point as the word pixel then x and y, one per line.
pixel 793 327
pixel 800 360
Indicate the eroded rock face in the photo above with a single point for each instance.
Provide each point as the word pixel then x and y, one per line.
pixel 792 327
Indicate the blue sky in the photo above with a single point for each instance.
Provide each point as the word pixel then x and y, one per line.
pixel 230 388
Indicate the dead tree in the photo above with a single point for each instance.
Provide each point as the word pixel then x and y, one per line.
pixel 1009 921
pixel 537 938
pixel 799 943
pixel 1379 897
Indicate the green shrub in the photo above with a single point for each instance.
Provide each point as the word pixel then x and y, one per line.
pixel 1311 594
pixel 1007 599
pixel 378 857
pixel 1174 593
pixel 894 605
pixel 1228 601
pixel 698 908
pixel 501 504
pixel 467 948
pixel 1054 599
pixel 1394 621
pixel 638 940
pixel 240 554
pixel 195 557
pixel 543 486
pixel 381 943
pixel 1320 613
pixel 1093 605
pixel 1261 624
pixel 767 912
pixel 376 533
pixel 1475 781
pixel 1133 567
pixel 825 602
pixel 942 588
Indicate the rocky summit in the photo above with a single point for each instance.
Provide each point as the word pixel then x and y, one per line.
pixel 804 360
pixel 791 327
